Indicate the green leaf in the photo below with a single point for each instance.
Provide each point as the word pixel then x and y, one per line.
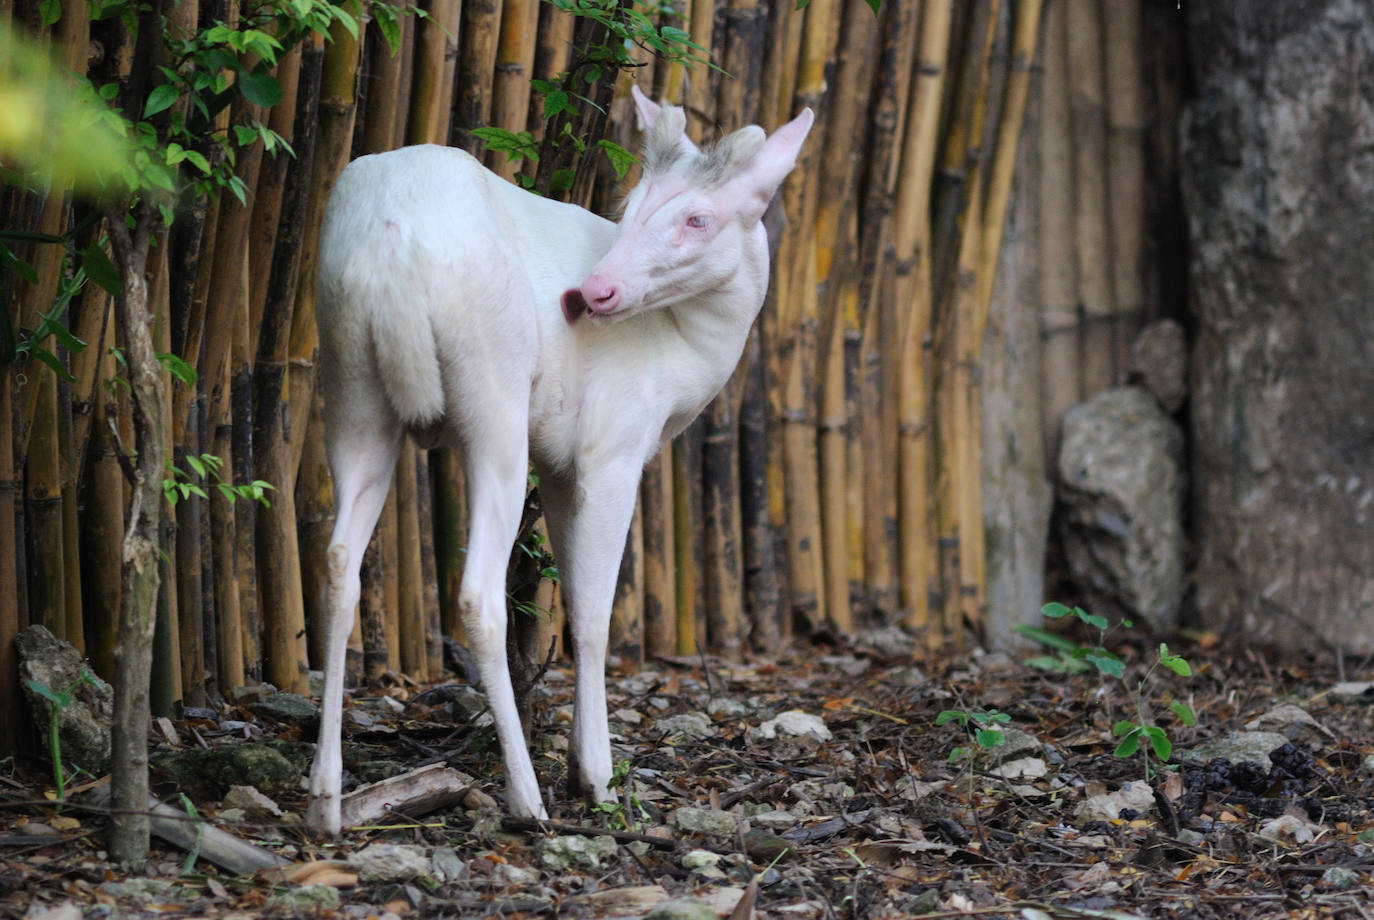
pixel 50 359
pixel 562 180
pixel 196 465
pixel 50 11
pixel 385 18
pixel 1047 638
pixel 1090 619
pixel 1159 741
pixel 951 715
pixel 260 88
pixel 555 102
pixel 1184 712
pixel 160 99
pixel 1055 610
pixel 875 5
pixel 1106 662
pixel 1128 746
pixel 989 738
pixel 100 269
pixel 60 700
pixel 621 159
pixel 803 4
pixel 178 368
pixel 11 262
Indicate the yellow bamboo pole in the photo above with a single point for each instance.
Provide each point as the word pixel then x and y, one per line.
pixel 1125 169
pixel 1088 112
pixel 514 60
pixel 912 242
pixel 1061 386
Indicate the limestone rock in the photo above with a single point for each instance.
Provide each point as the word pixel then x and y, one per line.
pixel 83 725
pixel 1121 486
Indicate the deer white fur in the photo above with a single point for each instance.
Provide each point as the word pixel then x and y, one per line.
pixel 458 308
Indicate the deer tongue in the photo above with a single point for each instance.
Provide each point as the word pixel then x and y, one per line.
pixel 574 305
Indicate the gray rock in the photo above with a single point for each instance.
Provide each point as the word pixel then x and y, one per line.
pixel 705 821
pixel 1340 878
pixel 83 725
pixel 681 909
pixel 286 708
pixel 1121 485
pixel 271 767
pixel 307 900
pixel 446 866
pixel 691 724
pixel 795 722
pixel 1235 747
pixel 390 862
pixel 774 820
pixel 1159 358
pixel 574 853
pixel 1276 183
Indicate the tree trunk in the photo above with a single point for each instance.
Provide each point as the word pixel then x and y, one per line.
pixel 1277 188
pixel 138 601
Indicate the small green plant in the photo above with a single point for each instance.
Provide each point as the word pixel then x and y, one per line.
pixel 180 485
pixel 60 700
pixel 1072 658
pixel 194 852
pixel 626 812
pixel 1131 732
pixel 982 727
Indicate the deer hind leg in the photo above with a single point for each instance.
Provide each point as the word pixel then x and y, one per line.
pixel 363 447
pixel 588 521
pixel 496 464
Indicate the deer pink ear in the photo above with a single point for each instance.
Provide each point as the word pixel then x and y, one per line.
pixel 645 107
pixel 775 159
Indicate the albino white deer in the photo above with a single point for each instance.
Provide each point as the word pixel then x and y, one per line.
pixel 440 288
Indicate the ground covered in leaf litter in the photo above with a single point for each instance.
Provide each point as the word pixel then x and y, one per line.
pixel 814 785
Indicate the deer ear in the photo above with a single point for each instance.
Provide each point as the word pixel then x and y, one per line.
pixel 645 107
pixel 666 142
pixel 774 160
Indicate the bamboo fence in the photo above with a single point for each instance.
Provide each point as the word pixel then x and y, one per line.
pixel 833 484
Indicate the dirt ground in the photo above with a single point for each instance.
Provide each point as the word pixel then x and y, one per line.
pixel 825 783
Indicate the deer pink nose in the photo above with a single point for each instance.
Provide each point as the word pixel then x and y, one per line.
pixel 601 296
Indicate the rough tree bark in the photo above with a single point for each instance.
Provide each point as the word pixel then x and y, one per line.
pixel 140 564
pixel 1278 181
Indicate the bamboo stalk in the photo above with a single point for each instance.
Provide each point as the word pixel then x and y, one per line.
pixel 1125 78
pixel 511 85
pixel 9 568
pixel 1062 386
pixel 43 508
pixel 476 63
pixel 687 541
pixel 1087 110
pixel 103 527
pixel 239 437
pixel 835 245
pixel 372 612
pixel 450 528
pixel 314 521
pixel 383 111
pixel 430 93
pixel 433 630
pixel 278 560
pixel 410 614
pixel 912 242
pixel 660 589
pixel 272 183
pixel 626 640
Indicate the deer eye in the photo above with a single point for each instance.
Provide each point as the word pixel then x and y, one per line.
pixel 698 221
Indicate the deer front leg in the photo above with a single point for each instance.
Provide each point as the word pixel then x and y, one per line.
pixel 588 520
